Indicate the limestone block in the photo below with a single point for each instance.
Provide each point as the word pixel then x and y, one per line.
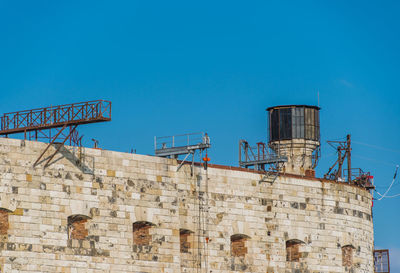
pixel 8 201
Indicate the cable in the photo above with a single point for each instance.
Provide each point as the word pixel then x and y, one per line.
pixel 386 192
pixel 374 160
pixel 389 196
pixel 338 139
pixel 376 147
pixel 326 156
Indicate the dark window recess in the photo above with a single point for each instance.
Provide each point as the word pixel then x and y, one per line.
pixel 238 245
pixel 77 227
pixel 184 240
pixel 141 233
pixel 347 255
pixel 293 253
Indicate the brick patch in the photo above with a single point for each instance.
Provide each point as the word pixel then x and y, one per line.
pixel 3 222
pixel 238 246
pixel 292 251
pixel 77 228
pixel 141 233
pixel 347 256
pixel 184 242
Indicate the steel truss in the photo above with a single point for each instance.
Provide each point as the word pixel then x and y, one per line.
pixel 57 124
pixel 259 157
pixel 186 144
pixel 354 176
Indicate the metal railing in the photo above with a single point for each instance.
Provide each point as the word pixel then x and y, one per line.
pixel 184 140
pixel 258 156
pixel 55 116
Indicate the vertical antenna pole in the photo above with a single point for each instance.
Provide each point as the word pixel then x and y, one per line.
pixel 340 160
pixel 349 158
pixel 246 151
pixel 240 151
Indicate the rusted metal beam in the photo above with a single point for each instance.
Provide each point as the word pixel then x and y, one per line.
pixel 48 146
pixel 348 158
pixel 343 149
pixel 59 147
pixel 258 156
pixel 340 164
pixel 55 117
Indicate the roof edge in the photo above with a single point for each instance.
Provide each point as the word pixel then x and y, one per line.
pixel 293 106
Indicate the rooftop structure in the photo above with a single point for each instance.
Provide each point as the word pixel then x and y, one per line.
pixel 42 121
pixel 105 211
pixel 294 133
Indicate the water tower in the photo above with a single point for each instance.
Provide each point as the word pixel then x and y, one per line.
pixel 294 133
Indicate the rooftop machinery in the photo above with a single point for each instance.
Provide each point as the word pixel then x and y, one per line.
pixel 189 144
pixel 186 144
pixel 293 144
pixel 355 176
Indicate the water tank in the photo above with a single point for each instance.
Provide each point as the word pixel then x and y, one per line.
pixel 294 133
pixel 288 122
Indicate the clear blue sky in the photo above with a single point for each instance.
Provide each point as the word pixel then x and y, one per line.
pixel 183 66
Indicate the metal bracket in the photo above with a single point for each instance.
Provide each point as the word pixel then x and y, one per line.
pixel 191 165
pixel 269 177
pixel 187 144
pixel 58 148
pixel 183 161
pixel 258 157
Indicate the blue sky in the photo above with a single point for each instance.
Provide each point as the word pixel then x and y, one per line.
pixel 172 67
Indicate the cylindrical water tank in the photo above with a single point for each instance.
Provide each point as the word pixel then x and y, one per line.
pixel 288 122
pixel 294 133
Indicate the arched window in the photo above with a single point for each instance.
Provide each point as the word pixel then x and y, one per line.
pixel 238 245
pixel 4 221
pixel 347 255
pixel 293 253
pixel 184 240
pixel 77 226
pixel 141 233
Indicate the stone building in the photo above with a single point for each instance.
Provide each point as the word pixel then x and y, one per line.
pixel 94 210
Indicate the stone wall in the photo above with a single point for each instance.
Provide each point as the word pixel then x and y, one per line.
pixel 101 211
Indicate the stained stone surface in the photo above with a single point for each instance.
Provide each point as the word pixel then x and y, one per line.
pixel 115 190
